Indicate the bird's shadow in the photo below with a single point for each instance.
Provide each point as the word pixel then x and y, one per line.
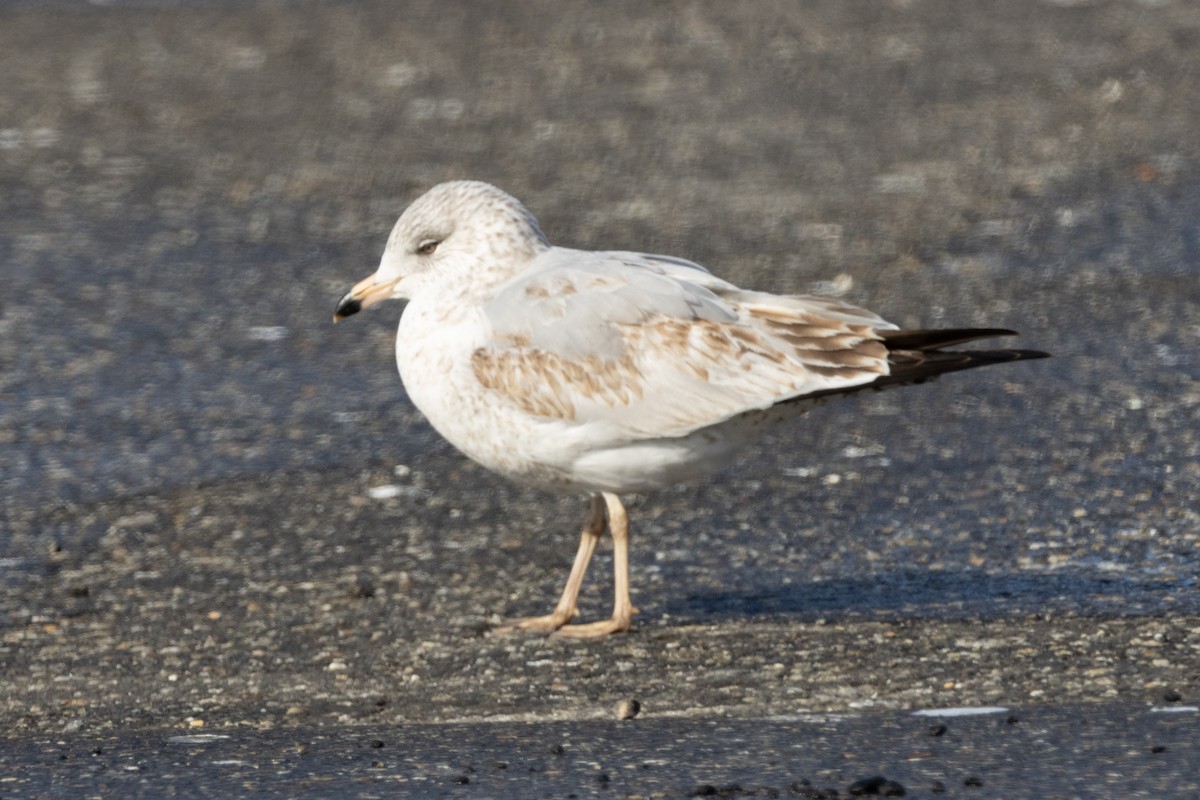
pixel 942 595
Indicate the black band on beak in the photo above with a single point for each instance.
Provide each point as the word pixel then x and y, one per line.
pixel 347 306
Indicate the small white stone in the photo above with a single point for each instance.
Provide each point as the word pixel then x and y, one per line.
pixel 628 709
pixel 268 333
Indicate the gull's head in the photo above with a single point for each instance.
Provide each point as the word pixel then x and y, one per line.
pixel 464 231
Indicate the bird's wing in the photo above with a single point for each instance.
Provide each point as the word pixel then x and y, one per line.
pixel 658 347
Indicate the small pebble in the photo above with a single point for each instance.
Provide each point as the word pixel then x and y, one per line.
pixel 1172 696
pixel 937 730
pixel 557 750
pixel 972 781
pixel 628 709
pixel 362 588
pixel 1158 748
pixel 385 492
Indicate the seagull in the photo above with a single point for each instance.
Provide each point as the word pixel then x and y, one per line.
pixel 610 372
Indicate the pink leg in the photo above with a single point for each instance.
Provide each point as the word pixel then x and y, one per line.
pixel 565 610
pixel 622 616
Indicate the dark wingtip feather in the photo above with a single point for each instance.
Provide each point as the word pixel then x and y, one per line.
pixel 933 339
pixel 914 357
pixel 1028 355
pixel 914 366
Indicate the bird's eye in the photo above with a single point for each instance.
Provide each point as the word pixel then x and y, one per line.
pixel 427 246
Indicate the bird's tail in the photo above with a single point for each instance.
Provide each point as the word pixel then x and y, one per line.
pixel 917 356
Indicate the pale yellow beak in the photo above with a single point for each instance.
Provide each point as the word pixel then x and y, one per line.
pixel 365 293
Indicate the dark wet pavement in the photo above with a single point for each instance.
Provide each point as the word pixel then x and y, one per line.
pixel 194 536
pixel 806 757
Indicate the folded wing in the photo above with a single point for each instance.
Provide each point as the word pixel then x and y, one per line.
pixel 658 347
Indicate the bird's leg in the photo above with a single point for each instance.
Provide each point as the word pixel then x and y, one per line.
pixel 622 616
pixel 565 609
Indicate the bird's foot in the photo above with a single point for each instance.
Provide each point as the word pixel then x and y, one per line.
pixel 592 630
pixel 545 624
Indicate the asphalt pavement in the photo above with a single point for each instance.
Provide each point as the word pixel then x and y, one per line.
pixel 221 518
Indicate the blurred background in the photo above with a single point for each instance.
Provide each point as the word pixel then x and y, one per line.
pixel 185 188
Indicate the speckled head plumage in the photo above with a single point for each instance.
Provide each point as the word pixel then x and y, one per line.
pixel 474 208
pixel 466 233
